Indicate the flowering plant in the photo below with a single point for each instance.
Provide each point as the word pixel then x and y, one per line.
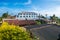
pixel 12 32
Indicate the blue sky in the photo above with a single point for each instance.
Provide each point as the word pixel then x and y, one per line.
pixel 49 7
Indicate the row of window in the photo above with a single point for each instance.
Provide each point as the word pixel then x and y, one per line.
pixel 26 16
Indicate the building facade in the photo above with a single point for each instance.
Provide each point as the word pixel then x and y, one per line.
pixel 27 16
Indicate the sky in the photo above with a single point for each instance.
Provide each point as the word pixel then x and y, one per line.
pixel 43 7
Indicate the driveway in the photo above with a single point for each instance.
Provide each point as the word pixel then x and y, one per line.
pixel 45 31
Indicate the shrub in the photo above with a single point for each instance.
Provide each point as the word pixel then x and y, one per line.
pixel 12 32
pixel 38 22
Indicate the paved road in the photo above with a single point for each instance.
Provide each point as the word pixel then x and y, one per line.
pixel 45 31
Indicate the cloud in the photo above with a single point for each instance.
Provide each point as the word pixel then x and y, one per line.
pixel 55 0
pixel 10 10
pixel 35 9
pixel 52 0
pixel 25 3
pixel 29 2
pixel 17 3
pixel 50 11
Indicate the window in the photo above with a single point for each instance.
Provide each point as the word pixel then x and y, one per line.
pixel 17 16
pixel 23 16
pixel 32 16
pixel 26 16
pixel 20 16
pixel 36 16
pixel 29 16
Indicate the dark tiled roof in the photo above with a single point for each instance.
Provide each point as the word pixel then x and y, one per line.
pixel 20 22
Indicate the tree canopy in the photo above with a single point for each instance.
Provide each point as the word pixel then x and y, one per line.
pixel 5 15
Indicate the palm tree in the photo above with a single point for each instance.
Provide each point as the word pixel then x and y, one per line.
pixel 54 18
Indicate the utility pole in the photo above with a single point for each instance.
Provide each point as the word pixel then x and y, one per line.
pixel 46 16
pixel 39 16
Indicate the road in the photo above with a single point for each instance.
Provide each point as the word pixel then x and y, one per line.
pixel 45 31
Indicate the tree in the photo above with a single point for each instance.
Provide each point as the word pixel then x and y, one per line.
pixel 0 18
pixel 54 18
pixel 43 17
pixel 5 15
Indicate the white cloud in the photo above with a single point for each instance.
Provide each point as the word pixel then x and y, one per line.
pixel 10 10
pixel 50 11
pixel 29 2
pixel 17 3
pixel 51 0
pixel 26 3
pixel 55 0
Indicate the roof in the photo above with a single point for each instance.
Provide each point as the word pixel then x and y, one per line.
pixel 27 13
pixel 10 17
pixel 20 22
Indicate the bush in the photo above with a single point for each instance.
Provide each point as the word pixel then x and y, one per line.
pixel 0 18
pixel 38 22
pixel 12 32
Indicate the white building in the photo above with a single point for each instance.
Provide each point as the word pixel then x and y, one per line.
pixel 27 15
